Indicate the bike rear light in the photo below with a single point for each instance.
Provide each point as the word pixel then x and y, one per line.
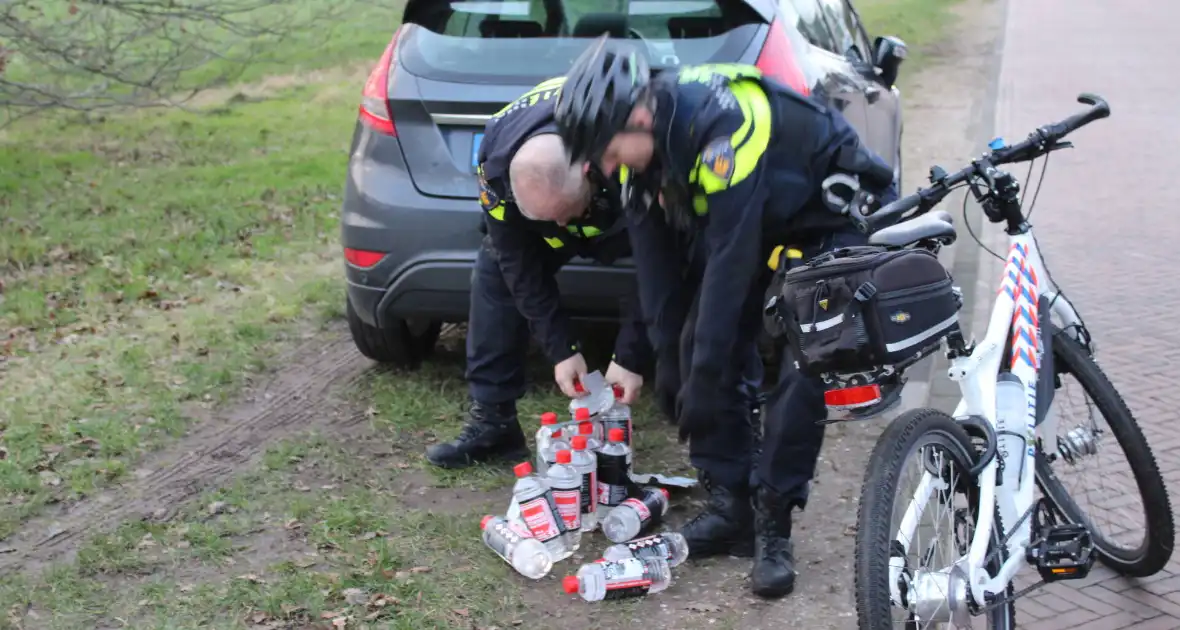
pixel 853 397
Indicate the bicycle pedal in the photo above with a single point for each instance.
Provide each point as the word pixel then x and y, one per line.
pixel 1063 552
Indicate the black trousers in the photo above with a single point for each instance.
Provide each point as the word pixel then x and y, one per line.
pixel 792 435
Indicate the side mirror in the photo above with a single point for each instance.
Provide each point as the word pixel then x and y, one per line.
pixel 888 53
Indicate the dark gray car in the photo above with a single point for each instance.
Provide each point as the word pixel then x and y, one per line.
pixel 410 218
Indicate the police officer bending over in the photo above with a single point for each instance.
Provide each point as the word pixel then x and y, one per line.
pixel 539 212
pixel 738 161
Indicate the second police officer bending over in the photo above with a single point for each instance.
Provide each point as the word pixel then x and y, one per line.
pixel 725 164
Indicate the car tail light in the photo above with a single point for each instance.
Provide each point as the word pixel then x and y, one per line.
pixel 777 60
pixel 375 111
pixel 362 258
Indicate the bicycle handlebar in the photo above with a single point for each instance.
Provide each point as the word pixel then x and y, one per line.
pixel 1045 139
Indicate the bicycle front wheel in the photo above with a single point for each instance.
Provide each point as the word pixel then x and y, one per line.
pixel 918 509
pixel 1104 473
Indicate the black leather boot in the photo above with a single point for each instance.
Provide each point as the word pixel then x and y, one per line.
pixel 774 561
pixel 492 432
pixel 726 526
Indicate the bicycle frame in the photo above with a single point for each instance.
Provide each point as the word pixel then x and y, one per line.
pixel 1014 318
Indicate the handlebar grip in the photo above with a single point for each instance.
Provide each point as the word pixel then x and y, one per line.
pixel 895 209
pixel 1099 109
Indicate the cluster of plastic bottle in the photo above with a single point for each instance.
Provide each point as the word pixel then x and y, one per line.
pixel 582 482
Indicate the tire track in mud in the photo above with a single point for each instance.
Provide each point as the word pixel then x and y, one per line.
pixel 296 397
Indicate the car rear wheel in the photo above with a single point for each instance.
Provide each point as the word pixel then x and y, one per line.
pixel 402 343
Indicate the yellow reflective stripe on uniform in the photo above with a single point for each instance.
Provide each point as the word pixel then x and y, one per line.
pixel 555 243
pixel 749 141
pixel 700 205
pixel 701 73
pixel 587 231
pixel 497 212
pixel 534 94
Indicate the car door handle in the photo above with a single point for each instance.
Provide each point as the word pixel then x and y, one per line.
pixel 872 93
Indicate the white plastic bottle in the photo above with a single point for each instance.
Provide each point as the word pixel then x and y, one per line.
pixel 547 456
pixel 583 416
pixel 614 475
pixel 586 463
pixel 618 416
pixel 629 577
pixel 515 544
pixel 587 430
pixel 1011 414
pixel 635 514
pixel 544 438
pixel 566 484
pixel 669 546
pixel 539 511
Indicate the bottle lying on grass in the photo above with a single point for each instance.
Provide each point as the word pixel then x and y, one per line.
pixel 515 544
pixel 668 546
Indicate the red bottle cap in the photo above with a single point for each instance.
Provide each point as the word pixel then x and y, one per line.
pixel 586 428
pixel 563 457
pixel 579 443
pixel 548 418
pixel 581 413
pixel 523 469
pixel 570 584
pixel 616 435
pixel 483 523
pixel 618 391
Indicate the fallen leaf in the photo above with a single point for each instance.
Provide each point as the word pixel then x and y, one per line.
pixel 216 507
pixel 49 478
pixel 250 577
pixel 330 614
pixel 292 524
pixel 300 486
pixel 290 609
pixel 370 412
pixel 303 564
pixel 420 570
pixel 259 617
pixel 462 612
pixel 186 588
pixel 340 622
pixel 402 465
pixel 368 535
pixel 184 544
pixel 328 486
pixel 703 608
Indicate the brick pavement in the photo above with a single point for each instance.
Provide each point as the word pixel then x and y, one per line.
pixel 1106 220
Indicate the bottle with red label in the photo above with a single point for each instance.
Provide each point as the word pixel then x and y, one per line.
pixel 513 542
pixel 629 577
pixel 538 510
pixel 618 416
pixel 585 462
pixel 669 546
pixel 566 485
pixel 614 475
pixel 635 514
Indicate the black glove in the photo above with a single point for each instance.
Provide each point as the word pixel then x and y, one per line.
pixel 697 408
pixel 667 384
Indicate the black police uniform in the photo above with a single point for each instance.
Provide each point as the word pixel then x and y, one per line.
pixel 740 160
pixel 514 288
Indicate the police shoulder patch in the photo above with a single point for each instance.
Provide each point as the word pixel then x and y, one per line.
pixel 718 158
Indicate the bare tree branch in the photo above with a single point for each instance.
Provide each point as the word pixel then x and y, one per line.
pixel 86 55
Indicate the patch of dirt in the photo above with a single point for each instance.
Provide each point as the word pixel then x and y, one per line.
pixel 294 400
pixel 353 75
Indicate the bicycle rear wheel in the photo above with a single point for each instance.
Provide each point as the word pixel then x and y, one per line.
pixel 893 598
pixel 1082 448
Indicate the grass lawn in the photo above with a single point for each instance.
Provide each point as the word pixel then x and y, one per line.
pixel 157 260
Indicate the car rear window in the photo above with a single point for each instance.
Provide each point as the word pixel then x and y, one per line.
pixel 492 41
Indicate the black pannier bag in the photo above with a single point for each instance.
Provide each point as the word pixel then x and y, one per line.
pixel 856 309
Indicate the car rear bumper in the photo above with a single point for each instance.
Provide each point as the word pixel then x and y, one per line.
pixel 431 245
pixel 440 289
